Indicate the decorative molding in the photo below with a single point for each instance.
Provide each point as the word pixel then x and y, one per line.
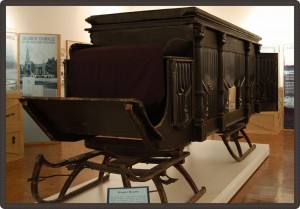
pixel 188 15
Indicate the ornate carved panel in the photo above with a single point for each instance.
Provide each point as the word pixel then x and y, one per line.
pixel 239 80
pixel 229 68
pixel 268 81
pixel 209 69
pixel 181 81
pixel 234 77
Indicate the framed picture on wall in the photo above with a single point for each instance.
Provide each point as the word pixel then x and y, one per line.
pixel 12 74
pixel 69 43
pixel 39 63
pixel 269 49
pixel 289 84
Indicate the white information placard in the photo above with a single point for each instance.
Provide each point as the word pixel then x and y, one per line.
pixel 128 195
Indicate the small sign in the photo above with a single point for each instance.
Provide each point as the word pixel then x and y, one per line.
pixel 128 195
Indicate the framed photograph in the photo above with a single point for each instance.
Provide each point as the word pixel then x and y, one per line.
pixel 12 73
pixel 62 68
pixel 270 49
pixel 69 43
pixel 289 84
pixel 39 63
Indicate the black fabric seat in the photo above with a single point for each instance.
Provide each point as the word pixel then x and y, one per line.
pixel 124 71
pixel 130 71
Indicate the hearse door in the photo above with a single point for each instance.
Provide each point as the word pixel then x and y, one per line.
pixel 268 82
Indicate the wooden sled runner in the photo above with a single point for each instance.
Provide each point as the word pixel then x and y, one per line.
pixel 151 83
pixel 121 166
pixel 129 112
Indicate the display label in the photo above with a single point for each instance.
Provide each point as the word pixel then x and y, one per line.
pixel 128 195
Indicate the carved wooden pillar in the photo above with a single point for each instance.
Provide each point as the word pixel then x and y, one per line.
pixel 221 87
pixel 247 84
pixel 257 100
pixel 199 31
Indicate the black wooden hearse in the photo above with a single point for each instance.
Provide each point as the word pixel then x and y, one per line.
pixel 150 83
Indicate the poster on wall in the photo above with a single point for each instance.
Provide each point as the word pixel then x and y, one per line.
pixel 12 76
pixel 288 52
pixel 39 63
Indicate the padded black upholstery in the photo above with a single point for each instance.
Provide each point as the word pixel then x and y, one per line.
pixel 131 71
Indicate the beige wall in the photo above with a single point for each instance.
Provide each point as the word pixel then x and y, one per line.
pixel 68 21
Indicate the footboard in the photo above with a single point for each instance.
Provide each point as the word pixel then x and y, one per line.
pixel 72 119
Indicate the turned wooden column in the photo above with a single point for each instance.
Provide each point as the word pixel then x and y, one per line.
pixel 257 100
pixel 199 31
pixel 221 87
pixel 247 84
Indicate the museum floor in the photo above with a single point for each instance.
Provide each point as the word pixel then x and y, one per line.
pixel 273 182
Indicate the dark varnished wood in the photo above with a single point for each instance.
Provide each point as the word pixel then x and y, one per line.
pixel 273 182
pixel 220 50
pixel 194 100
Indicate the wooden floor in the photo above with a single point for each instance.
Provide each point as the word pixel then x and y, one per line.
pixel 273 182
